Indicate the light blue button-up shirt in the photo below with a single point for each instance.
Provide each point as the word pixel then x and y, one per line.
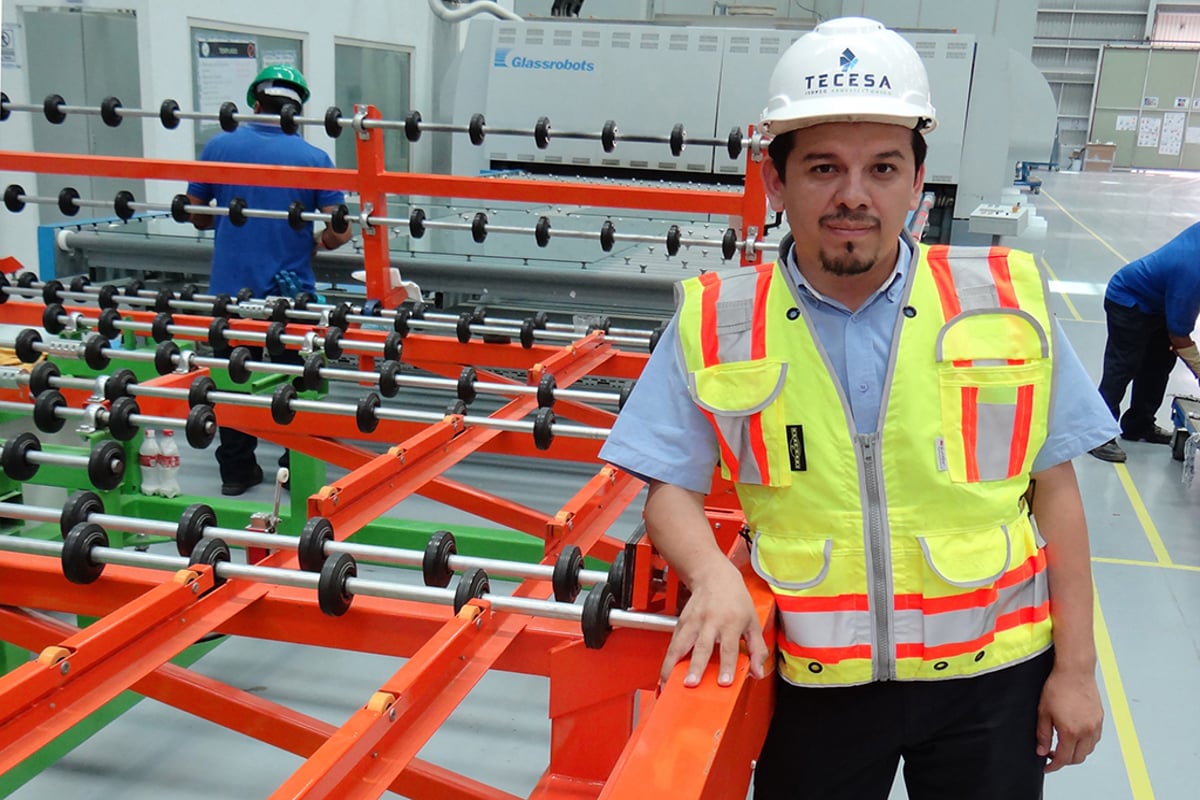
pixel 662 435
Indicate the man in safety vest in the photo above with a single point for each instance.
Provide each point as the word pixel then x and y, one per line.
pixel 881 408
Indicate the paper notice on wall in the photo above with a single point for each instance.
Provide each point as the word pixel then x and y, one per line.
pixel 10 36
pixel 1171 141
pixel 1148 129
pixel 1192 136
pixel 1127 122
pixel 225 71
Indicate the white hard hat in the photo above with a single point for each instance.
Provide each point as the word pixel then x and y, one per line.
pixel 849 70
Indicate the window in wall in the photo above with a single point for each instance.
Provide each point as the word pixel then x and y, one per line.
pixel 224 62
pixel 378 75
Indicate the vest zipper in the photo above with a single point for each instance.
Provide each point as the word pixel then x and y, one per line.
pixel 879 571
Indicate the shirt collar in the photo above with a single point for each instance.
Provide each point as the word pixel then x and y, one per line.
pixel 892 288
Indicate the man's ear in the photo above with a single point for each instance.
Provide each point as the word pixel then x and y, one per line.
pixel 772 184
pixel 918 189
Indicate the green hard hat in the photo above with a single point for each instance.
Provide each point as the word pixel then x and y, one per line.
pixel 284 81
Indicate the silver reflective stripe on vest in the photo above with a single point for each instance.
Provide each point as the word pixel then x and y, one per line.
pixel 973 281
pixel 826 629
pixel 735 320
pixel 914 626
pixel 993 439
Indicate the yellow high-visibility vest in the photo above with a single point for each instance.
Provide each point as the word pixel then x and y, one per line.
pixel 907 553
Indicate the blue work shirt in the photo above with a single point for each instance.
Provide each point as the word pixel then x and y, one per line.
pixel 252 254
pixel 1165 282
pixel 662 435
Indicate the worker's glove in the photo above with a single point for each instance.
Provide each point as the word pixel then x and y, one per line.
pixel 1190 356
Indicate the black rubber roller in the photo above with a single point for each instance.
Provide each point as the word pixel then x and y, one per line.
pixel 364 414
pixel 110 111
pixel 473 584
pixel 52 291
pixel 79 506
pixel 160 327
pixel 220 306
pixel 164 357
pixel 545 391
pixel 729 244
pixel 274 340
pixel 217 329
pixel 15 456
pixel 188 292
pixel 3 283
pixel 167 114
pixel 466 385
pixel 620 579
pixel 42 376
pixel 79 283
pixel 339 220
pixel 331 343
pixel 527 329
pixel 211 552
pixel 295 220
pixel 12 197
pixel 595 621
pixel 332 595
pixel 479 225
pixel 45 411
pixel 656 336
pixel 179 211
pixel 333 122
pixel 52 108
pixel 477 129
pixel 118 383
pixel 311 379
pixel 734 143
pixel 190 529
pixel 435 564
pixel 199 390
pixel 462 329
pixel 201 426
pixel 281 404
pixel 388 372
pixel 416 222
pixel 543 428
pixel 237 211
pixel 106 326
pixel 623 394
pixel 317 532
pixel 24 345
pixel 107 296
pixel 541 233
pixel 106 465
pixel 678 139
pixel 541 133
pixel 287 118
pixel 4 109
pixel 412 126
pixel 673 240
pixel 94 352
pixel 456 409
pixel 78 566
pixel 339 317
pixel 279 309
pixel 565 578
pixel 238 358
pixel 50 319
pixel 120 424
pixel 608 136
pixel 66 201
pixel 393 346
pixel 608 233
pixel 121 205
pixel 226 116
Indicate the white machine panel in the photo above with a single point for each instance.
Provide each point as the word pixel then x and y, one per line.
pixel 646 78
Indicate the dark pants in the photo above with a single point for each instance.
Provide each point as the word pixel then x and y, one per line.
pixel 235 453
pixel 1138 350
pixel 961 739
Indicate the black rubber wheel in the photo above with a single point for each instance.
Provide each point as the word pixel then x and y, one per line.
pixel 120 425
pixel 287 118
pixel 412 126
pixel 190 529
pixel 201 426
pixel 311 379
pixel 543 428
pixel 94 354
pixel 608 136
pixel 479 224
pixel 526 336
pixel 656 335
pixel 106 299
pixel 281 404
pixel 566 574
pixel 608 233
pixel 541 233
pixel 673 239
pixel 274 341
pixel 110 111
pixel 295 220
pixel 78 566
pixel 179 212
pixel 400 322
pixel 188 292
pixel 678 139
pixel 466 385
pixel 164 357
pixel 211 552
pixel 167 114
pixel 734 144
pixel 317 531
pixel 41 377
pixel 619 580
pixel 15 456
pixel 339 317
pixel 623 394
pixel 220 306
pixel 79 506
pixel 279 309
pixel 435 566
pixel 300 302
pixel 66 201
pixel 462 329
pixel 339 220
pixel 476 129
pixel 24 345
pixel 106 325
pixel 217 329
pixel 472 584
pixel 45 411
pixel 393 346
pixel 198 391
pixel 163 300
pixel 333 117
pixel 332 595
pixel 160 328
pixel 456 409
pixel 118 384
pixel 12 197
pixel 79 283
pixel 1179 444
pixel 106 465
pixel 26 280
pixel 729 244
pixel 332 343
pixel 388 372
pixel 51 321
pixel 541 133
pixel 238 358
pixel 225 115
pixel 416 223
pixel 545 391
pixel 52 291
pixel 364 414
pixel 596 608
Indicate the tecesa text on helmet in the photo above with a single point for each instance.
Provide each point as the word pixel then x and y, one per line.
pixel 842 80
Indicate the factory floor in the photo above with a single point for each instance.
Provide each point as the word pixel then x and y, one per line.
pixel 1145 531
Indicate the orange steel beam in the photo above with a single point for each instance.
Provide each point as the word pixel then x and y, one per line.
pixel 693 200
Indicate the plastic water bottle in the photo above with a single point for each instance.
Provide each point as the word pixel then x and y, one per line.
pixel 148 455
pixel 168 466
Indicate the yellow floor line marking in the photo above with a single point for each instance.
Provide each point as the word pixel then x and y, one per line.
pixel 1132 562
pixel 1139 508
pixel 1118 705
pixel 1066 297
pixel 1095 235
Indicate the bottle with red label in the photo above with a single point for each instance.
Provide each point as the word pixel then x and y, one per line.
pixel 148 455
pixel 168 463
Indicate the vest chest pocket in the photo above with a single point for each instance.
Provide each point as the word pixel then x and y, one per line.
pixel 994 376
pixel 743 399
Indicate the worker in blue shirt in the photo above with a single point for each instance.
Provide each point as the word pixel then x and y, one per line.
pixel 1151 306
pixel 853 394
pixel 266 255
